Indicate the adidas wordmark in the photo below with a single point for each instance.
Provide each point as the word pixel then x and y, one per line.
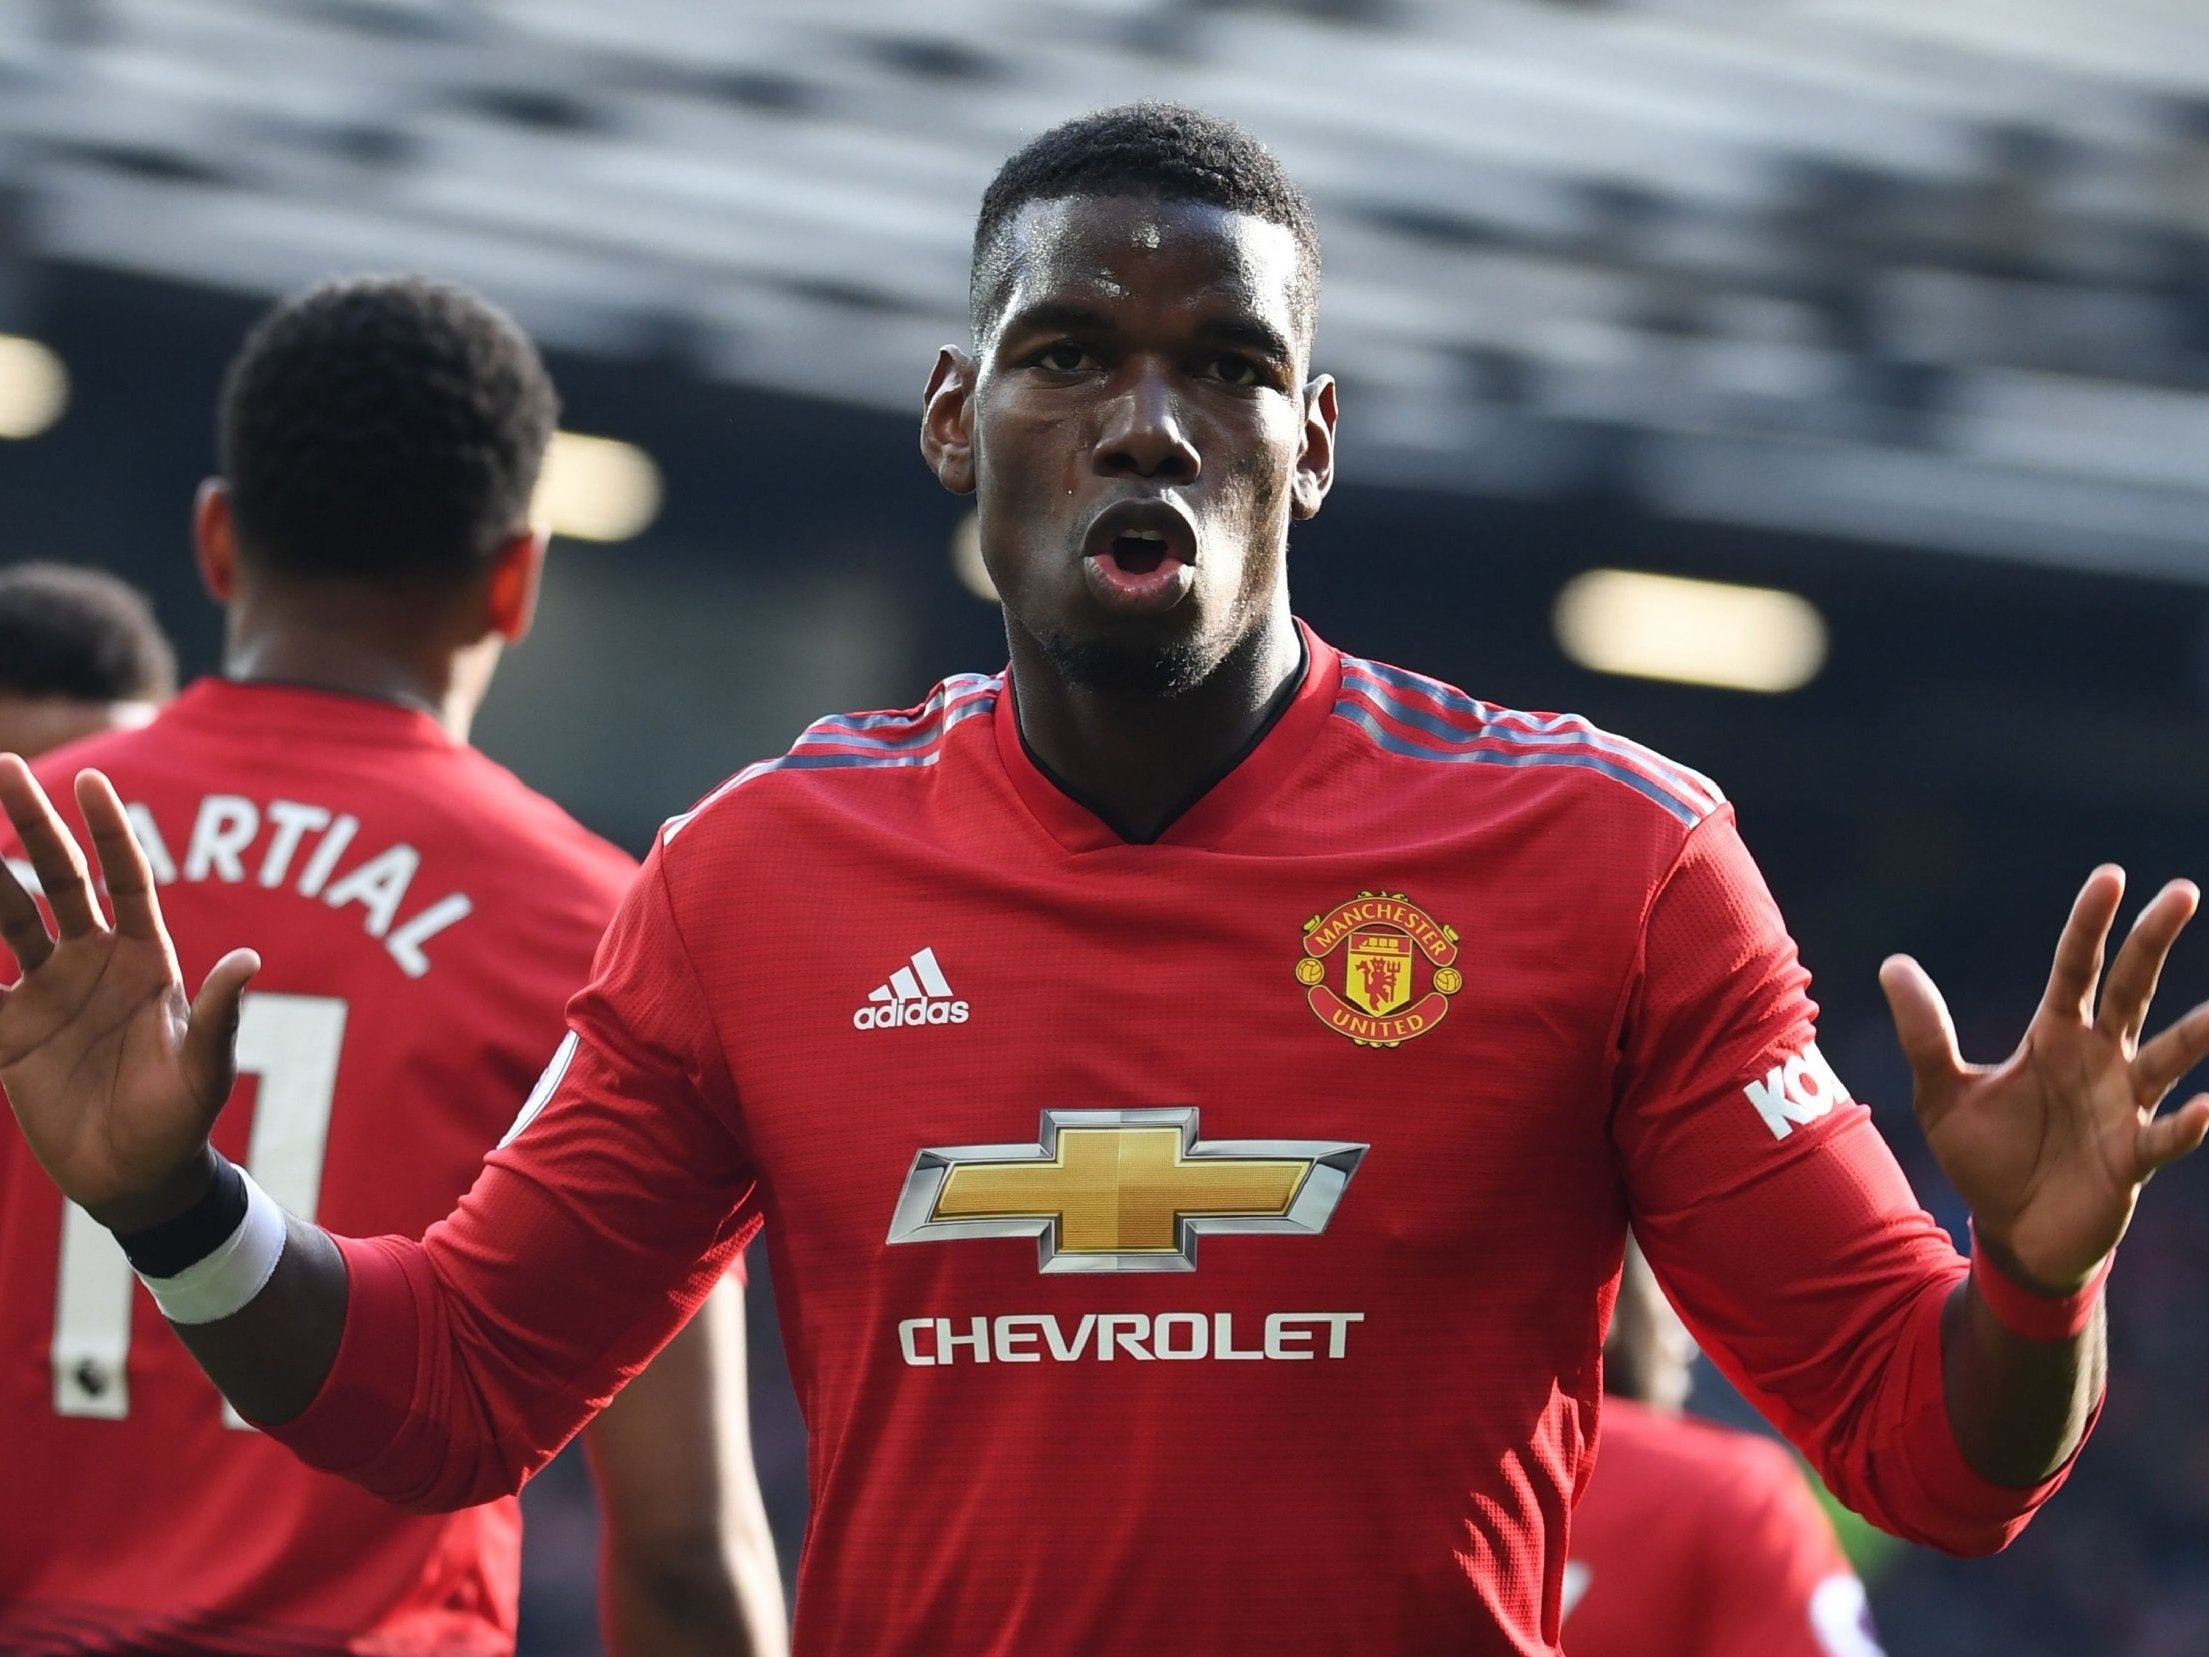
pixel 917 993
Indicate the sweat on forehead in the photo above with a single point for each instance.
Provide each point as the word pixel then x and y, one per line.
pixel 1103 250
pixel 1150 152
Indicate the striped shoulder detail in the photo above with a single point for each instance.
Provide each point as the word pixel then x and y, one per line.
pixel 869 741
pixel 1421 718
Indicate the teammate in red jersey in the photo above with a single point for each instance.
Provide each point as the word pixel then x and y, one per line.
pixel 1195 1085
pixel 1691 1539
pixel 425 916
pixel 80 653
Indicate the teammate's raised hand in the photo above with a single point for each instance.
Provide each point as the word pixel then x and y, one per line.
pixel 2051 1147
pixel 115 1078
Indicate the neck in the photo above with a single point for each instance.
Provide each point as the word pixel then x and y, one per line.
pixel 1138 761
pixel 361 643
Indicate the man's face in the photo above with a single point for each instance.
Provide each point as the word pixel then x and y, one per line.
pixel 1140 435
pixel 30 725
pixel 1648 1352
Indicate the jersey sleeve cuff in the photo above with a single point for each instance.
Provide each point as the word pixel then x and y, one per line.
pixel 362 1404
pixel 2029 1314
pixel 1978 1515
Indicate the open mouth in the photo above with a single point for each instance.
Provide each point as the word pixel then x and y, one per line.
pixel 1139 551
pixel 1140 557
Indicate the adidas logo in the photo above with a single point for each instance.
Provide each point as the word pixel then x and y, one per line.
pixel 917 993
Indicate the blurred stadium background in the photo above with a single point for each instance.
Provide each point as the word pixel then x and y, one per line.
pixel 1896 313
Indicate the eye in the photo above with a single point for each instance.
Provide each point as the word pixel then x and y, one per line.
pixel 1237 371
pixel 1063 358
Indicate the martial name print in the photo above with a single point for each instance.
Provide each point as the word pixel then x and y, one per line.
pixel 300 847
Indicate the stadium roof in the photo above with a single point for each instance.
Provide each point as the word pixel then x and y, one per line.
pixel 1935 275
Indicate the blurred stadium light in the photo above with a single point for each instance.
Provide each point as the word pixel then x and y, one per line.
pixel 597 489
pixel 1690 632
pixel 34 387
pixel 1906 274
pixel 966 559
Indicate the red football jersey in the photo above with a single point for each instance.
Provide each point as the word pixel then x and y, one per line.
pixel 422 917
pixel 1694 1540
pixel 1201 1245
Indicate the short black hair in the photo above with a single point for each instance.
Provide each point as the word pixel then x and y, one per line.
pixel 383 428
pixel 1157 151
pixel 80 634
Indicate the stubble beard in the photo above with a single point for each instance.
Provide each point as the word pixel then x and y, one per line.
pixel 1160 672
pixel 1166 669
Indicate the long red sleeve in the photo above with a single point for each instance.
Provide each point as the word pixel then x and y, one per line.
pixel 1776 1217
pixel 589 1238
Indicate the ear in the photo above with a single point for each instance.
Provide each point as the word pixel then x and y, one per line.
pixel 215 541
pixel 1315 467
pixel 510 596
pixel 947 421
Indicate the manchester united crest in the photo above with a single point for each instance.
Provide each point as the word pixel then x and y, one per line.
pixel 1379 969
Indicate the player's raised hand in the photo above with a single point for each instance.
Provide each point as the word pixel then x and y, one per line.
pixel 2051 1147
pixel 114 1076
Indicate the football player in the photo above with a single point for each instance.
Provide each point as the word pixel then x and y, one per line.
pixel 1692 1539
pixel 424 916
pixel 1224 1267
pixel 79 652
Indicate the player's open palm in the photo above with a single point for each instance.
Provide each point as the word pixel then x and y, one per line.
pixel 2051 1147
pixel 115 1078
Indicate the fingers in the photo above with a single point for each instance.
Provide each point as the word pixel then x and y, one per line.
pixel 123 863
pixel 22 927
pixel 2078 963
pixel 2167 1138
pixel 1922 1025
pixel 2139 964
pixel 211 1036
pixel 2170 1055
pixel 52 850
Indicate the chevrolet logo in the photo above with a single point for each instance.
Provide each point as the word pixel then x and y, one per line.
pixel 1122 1190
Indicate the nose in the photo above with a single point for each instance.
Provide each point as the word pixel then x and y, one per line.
pixel 1143 434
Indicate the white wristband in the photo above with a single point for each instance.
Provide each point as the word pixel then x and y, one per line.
pixel 239 1269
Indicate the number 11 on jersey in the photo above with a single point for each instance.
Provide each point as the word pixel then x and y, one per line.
pixel 291 1042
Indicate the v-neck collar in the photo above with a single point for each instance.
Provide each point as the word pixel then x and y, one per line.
pixel 1244 785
